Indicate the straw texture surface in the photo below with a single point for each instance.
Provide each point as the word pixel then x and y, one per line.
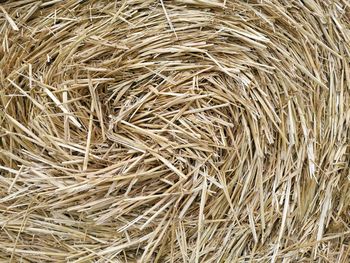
pixel 175 131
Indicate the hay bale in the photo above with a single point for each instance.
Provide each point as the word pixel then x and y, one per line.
pixel 174 131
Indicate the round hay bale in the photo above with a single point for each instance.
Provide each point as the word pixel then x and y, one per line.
pixel 175 131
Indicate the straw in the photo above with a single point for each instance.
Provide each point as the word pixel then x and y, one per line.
pixel 174 131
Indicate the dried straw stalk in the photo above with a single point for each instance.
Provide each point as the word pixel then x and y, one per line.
pixel 175 131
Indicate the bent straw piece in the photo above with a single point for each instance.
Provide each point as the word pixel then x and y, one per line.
pixel 59 104
pixel 36 103
pixel 9 19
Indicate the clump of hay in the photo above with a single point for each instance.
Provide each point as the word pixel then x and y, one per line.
pixel 174 131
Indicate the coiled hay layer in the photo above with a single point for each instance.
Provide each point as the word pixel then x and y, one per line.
pixel 175 131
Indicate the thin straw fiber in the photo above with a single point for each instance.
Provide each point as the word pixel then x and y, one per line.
pixel 175 131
